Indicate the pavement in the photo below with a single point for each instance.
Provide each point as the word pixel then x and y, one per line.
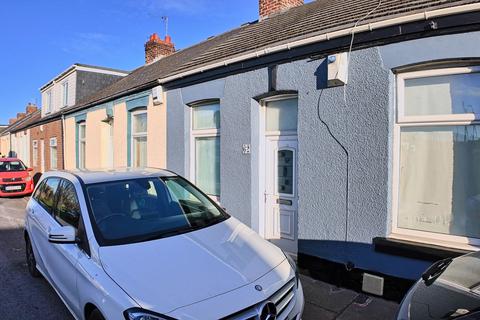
pixel 24 297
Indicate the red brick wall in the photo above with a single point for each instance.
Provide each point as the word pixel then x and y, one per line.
pixel 50 130
pixel 269 7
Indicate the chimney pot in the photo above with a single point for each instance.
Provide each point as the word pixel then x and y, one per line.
pixel 156 48
pixel 21 115
pixel 31 108
pixel 268 8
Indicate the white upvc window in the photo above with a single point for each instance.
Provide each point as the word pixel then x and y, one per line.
pixel 35 152
pixel 205 148
pixel 49 100
pixel 65 94
pixel 436 176
pixel 139 138
pixel 82 144
pixel 53 154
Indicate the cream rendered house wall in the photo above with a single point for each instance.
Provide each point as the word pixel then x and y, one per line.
pixel 157 135
pixel 120 135
pixel 69 144
pixel 5 144
pixel 94 139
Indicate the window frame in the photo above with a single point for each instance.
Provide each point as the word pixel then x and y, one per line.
pixel 65 94
pixel 135 135
pixel 264 107
pixel 402 121
pixel 202 133
pixel 35 153
pixel 82 155
pixel 49 99
pixel 53 144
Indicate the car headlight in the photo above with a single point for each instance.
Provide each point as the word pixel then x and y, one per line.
pixel 140 314
pixel 293 264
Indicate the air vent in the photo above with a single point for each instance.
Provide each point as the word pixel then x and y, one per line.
pixel 372 284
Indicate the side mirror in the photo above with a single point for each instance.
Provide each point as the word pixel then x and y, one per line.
pixel 66 234
pixel 30 169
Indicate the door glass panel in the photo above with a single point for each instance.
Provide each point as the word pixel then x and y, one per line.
pixel 281 115
pixel 285 171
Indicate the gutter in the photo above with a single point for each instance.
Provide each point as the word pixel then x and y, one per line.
pixel 328 36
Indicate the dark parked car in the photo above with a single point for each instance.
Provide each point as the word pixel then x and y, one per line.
pixel 449 289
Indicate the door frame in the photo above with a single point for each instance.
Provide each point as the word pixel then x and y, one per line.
pixel 259 216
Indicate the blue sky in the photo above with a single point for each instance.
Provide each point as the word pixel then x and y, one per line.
pixel 40 39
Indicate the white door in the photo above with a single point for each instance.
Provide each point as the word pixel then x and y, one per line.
pixel 281 195
pixel 42 155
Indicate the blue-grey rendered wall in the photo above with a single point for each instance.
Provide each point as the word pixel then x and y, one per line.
pixel 362 123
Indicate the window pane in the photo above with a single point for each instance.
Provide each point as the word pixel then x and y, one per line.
pixel 140 123
pixel 81 131
pixel 450 94
pixel 53 157
pixel 68 208
pixel 439 187
pixel 140 151
pixel 281 115
pixel 285 171
pixel 82 155
pixel 47 194
pixel 207 166
pixel 206 117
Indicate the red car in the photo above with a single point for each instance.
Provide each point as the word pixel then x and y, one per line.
pixel 15 178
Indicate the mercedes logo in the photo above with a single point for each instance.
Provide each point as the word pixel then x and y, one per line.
pixel 269 311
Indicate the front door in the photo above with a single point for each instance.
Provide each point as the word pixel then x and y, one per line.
pixel 281 194
pixel 42 156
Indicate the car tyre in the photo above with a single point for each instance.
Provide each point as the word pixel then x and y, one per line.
pixel 31 262
pixel 95 315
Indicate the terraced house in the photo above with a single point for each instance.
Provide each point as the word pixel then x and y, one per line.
pixel 345 132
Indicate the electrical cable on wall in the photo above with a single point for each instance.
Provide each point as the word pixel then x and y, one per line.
pixel 349 265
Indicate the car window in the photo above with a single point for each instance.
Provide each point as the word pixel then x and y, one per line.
pixel 38 190
pixel 46 195
pixel 148 208
pixel 12 166
pixel 67 211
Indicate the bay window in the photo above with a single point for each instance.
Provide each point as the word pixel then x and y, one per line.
pixel 139 138
pixel 437 152
pixel 206 147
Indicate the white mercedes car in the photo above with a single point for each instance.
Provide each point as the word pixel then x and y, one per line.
pixel 148 245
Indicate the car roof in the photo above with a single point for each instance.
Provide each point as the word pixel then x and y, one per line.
pixel 92 176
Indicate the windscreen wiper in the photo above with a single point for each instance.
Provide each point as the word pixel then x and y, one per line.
pixel 435 271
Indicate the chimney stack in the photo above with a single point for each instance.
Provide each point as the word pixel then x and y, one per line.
pixel 31 108
pixel 269 8
pixel 156 48
pixel 12 121
pixel 20 115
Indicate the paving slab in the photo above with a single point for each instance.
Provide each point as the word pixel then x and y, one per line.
pixel 313 312
pixel 370 308
pixel 326 296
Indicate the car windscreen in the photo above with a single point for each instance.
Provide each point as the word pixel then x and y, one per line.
pixel 146 209
pixel 12 166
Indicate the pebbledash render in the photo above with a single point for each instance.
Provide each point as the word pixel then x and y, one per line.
pixel 362 161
